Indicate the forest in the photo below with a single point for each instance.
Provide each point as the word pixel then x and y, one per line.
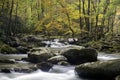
pixel 59 39
pixel 76 18
pixel 87 20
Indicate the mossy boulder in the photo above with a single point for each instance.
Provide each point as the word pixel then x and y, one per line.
pixel 38 55
pixel 100 69
pixel 78 56
pixel 7 49
pixel 8 61
pixel 63 63
pixel 22 49
pixel 5 71
pixel 44 66
pixel 56 59
pixel 118 77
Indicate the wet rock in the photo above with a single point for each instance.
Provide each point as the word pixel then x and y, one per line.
pixel 72 40
pixel 41 44
pixel 45 66
pixel 25 70
pixel 63 63
pixel 12 41
pixel 38 55
pixel 56 59
pixel 5 70
pixel 10 61
pixel 31 38
pixel 118 77
pixel 22 49
pixel 100 69
pixel 6 49
pixel 78 56
pixel 25 59
pixel 106 47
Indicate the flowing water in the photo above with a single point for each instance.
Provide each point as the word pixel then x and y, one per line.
pixel 56 73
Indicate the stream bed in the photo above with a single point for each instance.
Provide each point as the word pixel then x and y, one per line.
pixel 56 73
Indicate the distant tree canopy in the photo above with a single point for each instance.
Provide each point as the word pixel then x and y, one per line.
pixel 91 18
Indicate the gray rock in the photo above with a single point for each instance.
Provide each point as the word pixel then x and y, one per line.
pixel 100 69
pixel 56 59
pixel 5 70
pixel 63 63
pixel 44 66
pixel 118 77
pixel 25 70
pixel 38 55
pixel 31 38
pixel 22 49
pixel 9 61
pixel 78 56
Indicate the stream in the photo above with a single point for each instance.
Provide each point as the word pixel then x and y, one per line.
pixel 56 73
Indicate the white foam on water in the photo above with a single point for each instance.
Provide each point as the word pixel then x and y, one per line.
pixel 104 56
pixel 67 74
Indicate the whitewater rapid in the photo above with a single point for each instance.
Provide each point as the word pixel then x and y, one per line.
pixel 56 73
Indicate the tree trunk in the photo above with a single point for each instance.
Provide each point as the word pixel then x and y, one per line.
pixel 10 18
pixel 103 19
pixel 88 14
pixel 80 23
pixel 16 16
pixel 38 12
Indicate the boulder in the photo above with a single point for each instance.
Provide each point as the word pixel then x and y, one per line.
pixel 6 49
pixel 12 41
pixel 63 63
pixel 22 49
pixel 24 59
pixel 31 38
pixel 56 59
pixel 5 70
pixel 78 56
pixel 25 70
pixel 100 69
pixel 38 55
pixel 9 61
pixel 44 66
pixel 118 77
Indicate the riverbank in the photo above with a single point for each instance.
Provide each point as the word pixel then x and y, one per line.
pixel 109 44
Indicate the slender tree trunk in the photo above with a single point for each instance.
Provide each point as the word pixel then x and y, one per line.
pixel 85 18
pixel 96 18
pixel 80 23
pixel 88 14
pixel 80 19
pixel 16 16
pixel 2 8
pixel 103 19
pixel 38 8
pixel 113 20
pixel 10 18
pixel 42 7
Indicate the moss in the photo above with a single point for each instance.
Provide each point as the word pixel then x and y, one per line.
pixel 97 45
pixel 7 49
